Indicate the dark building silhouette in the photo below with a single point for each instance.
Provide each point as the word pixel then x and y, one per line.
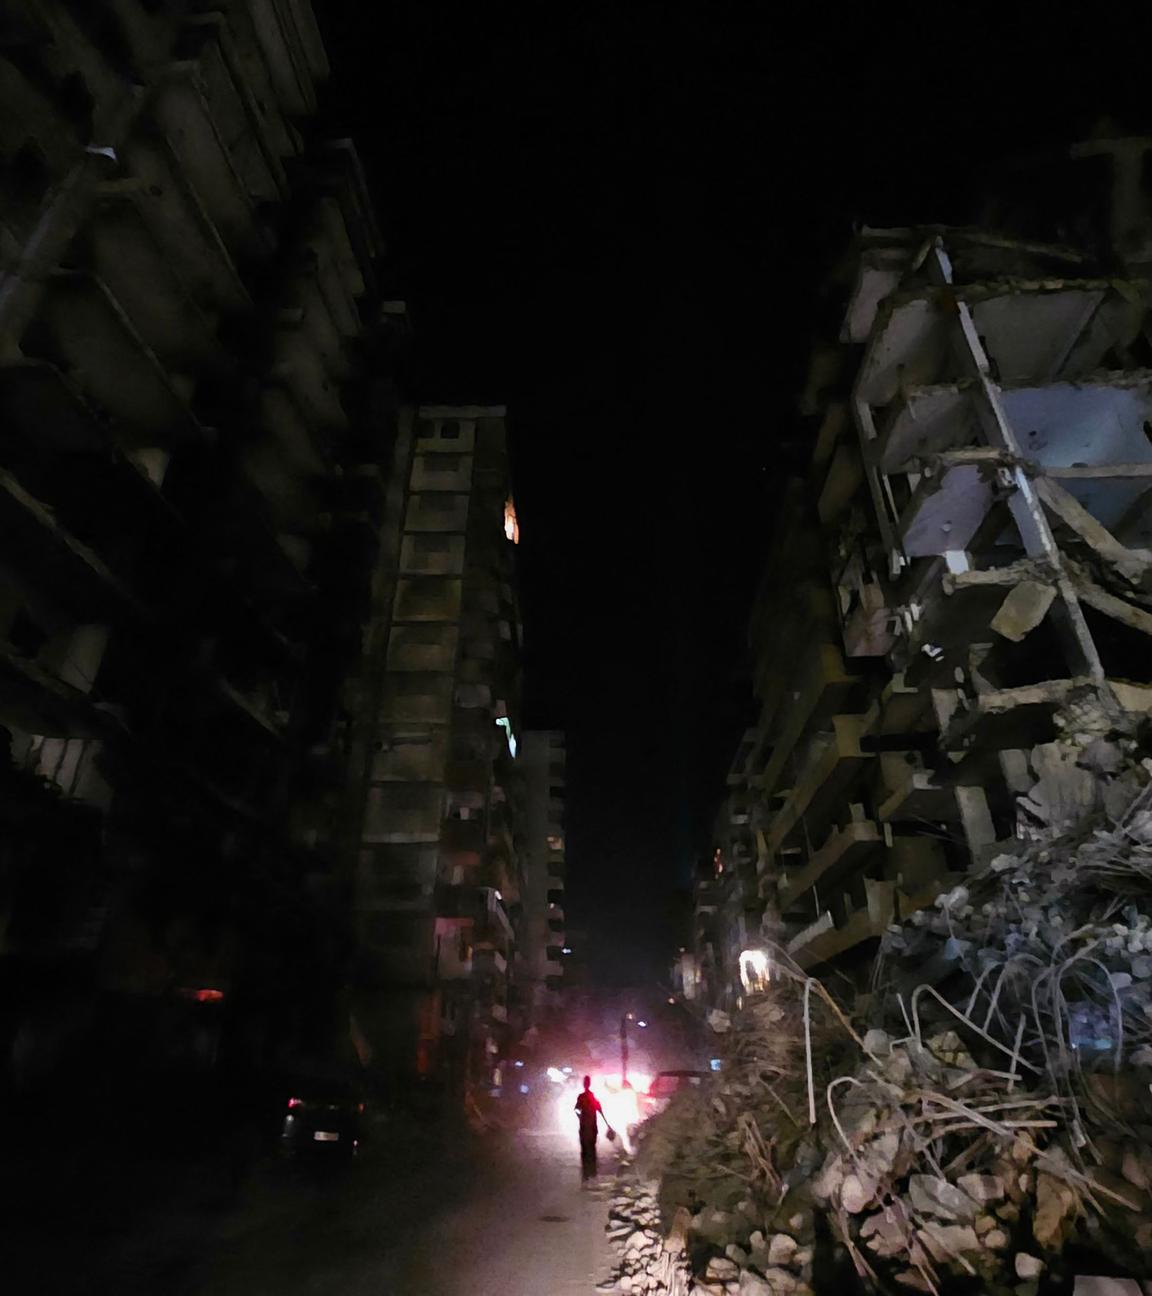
pixel 221 529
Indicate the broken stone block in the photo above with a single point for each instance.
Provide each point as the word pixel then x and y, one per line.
pixel 981 1187
pixel 947 1240
pixel 878 1043
pixel 781 1250
pixel 1028 1266
pixel 934 1196
pixel 1056 1203
pixel 913 1279
pixel 898 1065
pixel 856 1192
pixel 996 1240
pixel 753 1285
pixel 885 1233
pixel 781 1282
pixel 736 1254
pixel 1024 607
pixel 720 1267
pixel 828 1182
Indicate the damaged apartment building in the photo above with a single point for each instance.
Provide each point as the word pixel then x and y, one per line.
pixel 958 600
pixel 207 531
pixel 544 762
pixel 439 876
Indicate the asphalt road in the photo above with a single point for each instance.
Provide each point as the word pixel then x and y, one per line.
pixel 504 1216
pixel 422 1212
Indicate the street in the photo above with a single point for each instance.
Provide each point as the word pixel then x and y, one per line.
pixel 499 1215
pixel 505 1218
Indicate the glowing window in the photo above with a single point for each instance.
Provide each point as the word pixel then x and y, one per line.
pixel 511 526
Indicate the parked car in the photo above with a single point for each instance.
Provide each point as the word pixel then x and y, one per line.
pixel 664 1085
pixel 323 1117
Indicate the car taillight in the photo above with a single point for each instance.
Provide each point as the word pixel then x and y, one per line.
pixel 295 1102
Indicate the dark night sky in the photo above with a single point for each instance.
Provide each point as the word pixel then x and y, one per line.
pixel 615 218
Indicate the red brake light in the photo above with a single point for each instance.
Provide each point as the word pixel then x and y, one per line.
pixel 206 994
pixel 295 1102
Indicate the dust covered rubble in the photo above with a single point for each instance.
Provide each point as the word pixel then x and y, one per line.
pixel 648 1260
pixel 992 1113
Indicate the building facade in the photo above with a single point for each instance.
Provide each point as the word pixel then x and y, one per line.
pixel 439 876
pixel 258 623
pixel 545 932
pixel 964 569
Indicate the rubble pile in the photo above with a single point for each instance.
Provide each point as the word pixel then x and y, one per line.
pixel 648 1261
pixel 987 1120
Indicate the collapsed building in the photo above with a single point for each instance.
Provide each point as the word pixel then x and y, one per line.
pixel 923 936
pixel 963 573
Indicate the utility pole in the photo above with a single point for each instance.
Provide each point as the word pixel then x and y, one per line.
pixel 624 1050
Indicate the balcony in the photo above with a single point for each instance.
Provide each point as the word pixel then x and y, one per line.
pixel 86 332
pixel 823 685
pixel 183 112
pixel 1038 331
pixel 135 265
pixel 843 851
pixel 708 897
pixel 832 761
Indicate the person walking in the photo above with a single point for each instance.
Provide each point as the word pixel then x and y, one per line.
pixel 590 1112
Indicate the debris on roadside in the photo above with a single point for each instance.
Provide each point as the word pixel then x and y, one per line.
pixel 965 1133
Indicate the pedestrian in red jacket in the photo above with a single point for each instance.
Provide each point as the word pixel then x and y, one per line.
pixel 590 1113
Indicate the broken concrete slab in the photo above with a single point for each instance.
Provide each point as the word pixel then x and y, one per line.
pixel 1022 610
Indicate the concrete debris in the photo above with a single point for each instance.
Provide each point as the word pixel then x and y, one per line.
pixel 981 1188
pixel 752 1284
pixel 1096 1286
pixel 722 1268
pixel 781 1250
pixel 1023 608
pixel 1028 1266
pixel 934 1196
pixel 969 1133
pixel 947 1241
pixel 856 1192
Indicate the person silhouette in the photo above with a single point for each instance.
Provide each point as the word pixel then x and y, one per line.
pixel 589 1112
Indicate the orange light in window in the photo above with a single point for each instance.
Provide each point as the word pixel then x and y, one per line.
pixel 511 526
